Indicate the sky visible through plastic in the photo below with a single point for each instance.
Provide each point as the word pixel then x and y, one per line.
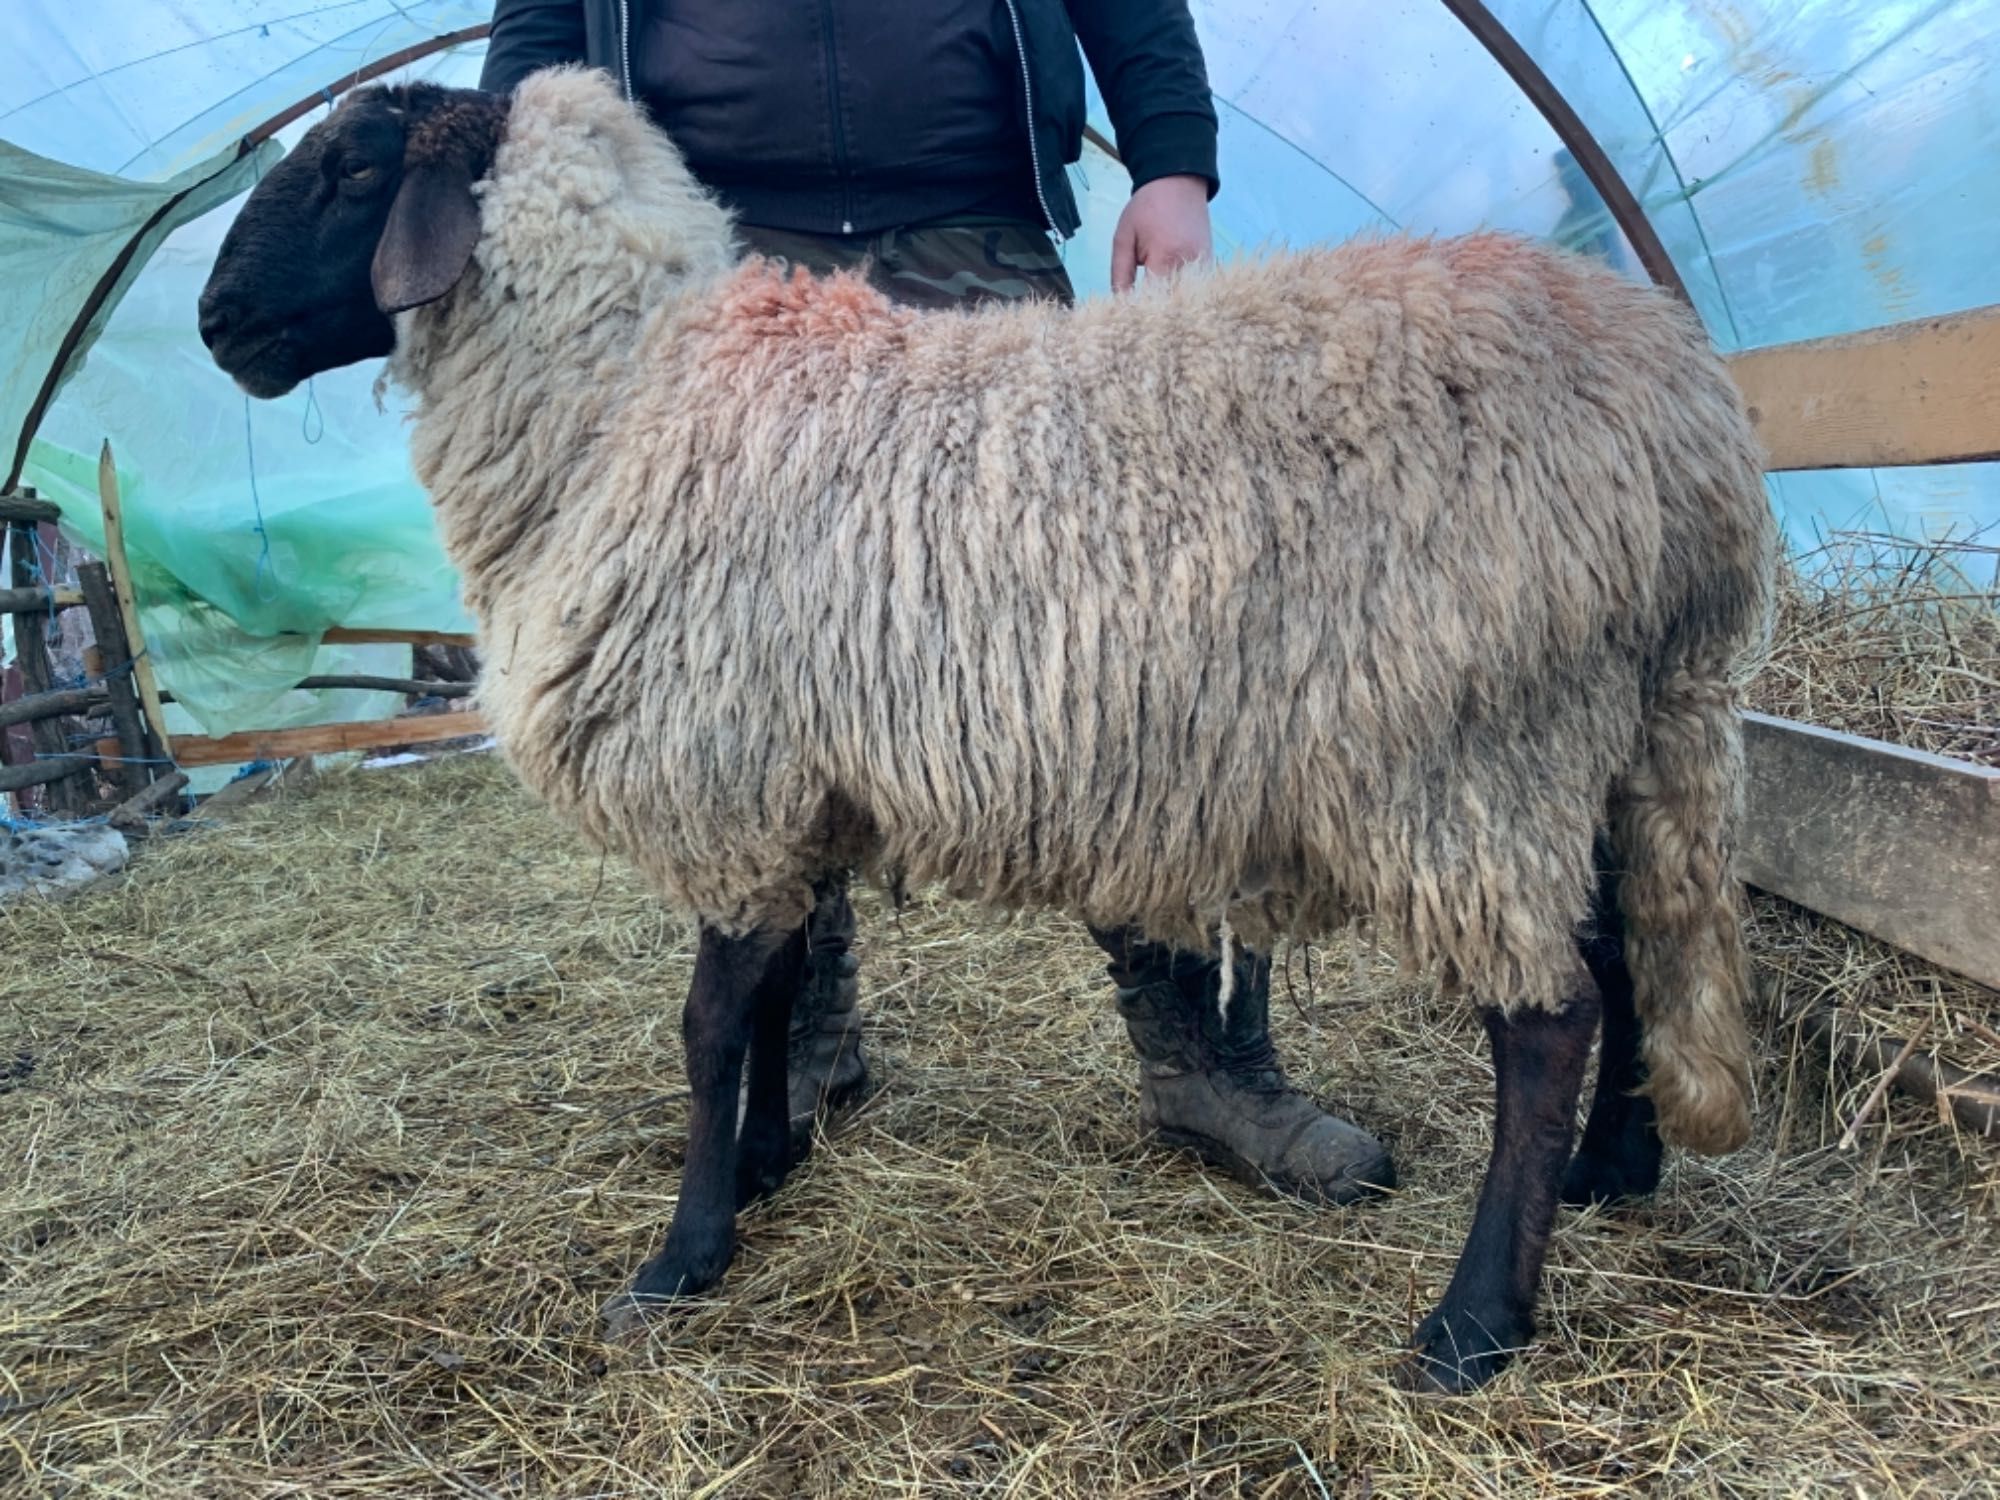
pixel 1814 169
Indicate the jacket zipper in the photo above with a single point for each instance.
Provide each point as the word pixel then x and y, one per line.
pixel 625 47
pixel 1034 151
pixel 833 117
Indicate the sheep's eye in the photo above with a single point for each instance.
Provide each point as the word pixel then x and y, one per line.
pixel 357 171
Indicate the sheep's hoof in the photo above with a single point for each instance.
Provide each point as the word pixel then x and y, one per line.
pixel 665 1282
pixel 1594 1180
pixel 1459 1351
pixel 759 1180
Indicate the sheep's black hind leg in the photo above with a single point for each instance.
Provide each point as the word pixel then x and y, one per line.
pixel 1619 1157
pixel 739 983
pixel 1488 1311
pixel 764 1145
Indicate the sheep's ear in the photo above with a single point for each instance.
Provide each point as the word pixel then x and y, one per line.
pixel 427 243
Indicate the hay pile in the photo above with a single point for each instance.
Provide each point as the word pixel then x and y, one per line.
pixel 1891 638
pixel 1900 641
pixel 331 1127
pixel 327 1130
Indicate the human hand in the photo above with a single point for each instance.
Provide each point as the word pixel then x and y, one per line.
pixel 1164 226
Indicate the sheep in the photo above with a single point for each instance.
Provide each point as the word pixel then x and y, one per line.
pixel 1386 581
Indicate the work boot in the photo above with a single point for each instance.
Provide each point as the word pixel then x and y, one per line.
pixel 825 1069
pixel 1211 1083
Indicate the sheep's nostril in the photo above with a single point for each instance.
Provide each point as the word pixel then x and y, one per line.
pixel 214 326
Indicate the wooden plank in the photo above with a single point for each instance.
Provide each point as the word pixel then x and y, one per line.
pixel 1926 392
pixel 324 739
pixel 1901 844
pixel 244 789
pixel 114 659
pixel 128 602
pixel 135 816
pixel 341 636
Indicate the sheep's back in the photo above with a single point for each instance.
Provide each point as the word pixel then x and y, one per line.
pixel 1319 585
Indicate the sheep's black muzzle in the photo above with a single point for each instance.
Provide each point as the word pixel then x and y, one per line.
pixel 255 354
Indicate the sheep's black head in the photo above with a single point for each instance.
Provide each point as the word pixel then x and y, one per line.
pixel 372 214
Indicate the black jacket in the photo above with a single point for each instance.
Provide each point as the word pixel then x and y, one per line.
pixel 847 116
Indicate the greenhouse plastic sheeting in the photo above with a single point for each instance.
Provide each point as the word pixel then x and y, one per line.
pixel 1813 169
pixel 251 526
pixel 143 88
pixel 62 230
pixel 243 518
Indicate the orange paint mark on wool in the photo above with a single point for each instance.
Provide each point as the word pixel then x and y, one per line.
pixel 763 302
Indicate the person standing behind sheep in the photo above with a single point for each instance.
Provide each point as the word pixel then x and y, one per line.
pixel 925 141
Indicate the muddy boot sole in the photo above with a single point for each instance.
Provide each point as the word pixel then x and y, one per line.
pixel 1369 1180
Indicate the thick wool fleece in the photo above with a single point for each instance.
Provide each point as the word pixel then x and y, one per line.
pixel 1369 581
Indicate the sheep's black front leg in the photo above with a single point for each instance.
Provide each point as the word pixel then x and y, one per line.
pixel 1488 1311
pixel 1619 1156
pixel 739 983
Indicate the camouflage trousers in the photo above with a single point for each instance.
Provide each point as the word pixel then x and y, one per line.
pixel 1209 1079
pixel 956 264
pixel 960 263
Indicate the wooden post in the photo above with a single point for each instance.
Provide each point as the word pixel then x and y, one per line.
pixel 115 657
pixel 128 602
pixel 31 650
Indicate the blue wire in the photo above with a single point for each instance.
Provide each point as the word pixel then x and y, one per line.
pixel 306 429
pixel 266 590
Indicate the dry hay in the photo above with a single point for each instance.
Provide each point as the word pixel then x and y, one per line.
pixel 330 1128
pixel 1898 640
pixel 1891 638
pixel 334 1125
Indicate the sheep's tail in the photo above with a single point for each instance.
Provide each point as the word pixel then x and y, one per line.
pixel 1683 928
pixel 1672 820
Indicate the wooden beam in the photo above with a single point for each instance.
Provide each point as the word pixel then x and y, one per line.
pixel 36 600
pixel 53 705
pixel 42 772
pixel 1901 844
pixel 25 505
pixel 1926 392
pixel 1973 1101
pixel 133 816
pixel 341 636
pixel 324 739
pixel 128 601
pixel 412 687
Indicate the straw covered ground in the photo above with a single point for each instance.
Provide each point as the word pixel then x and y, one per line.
pixel 327 1129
